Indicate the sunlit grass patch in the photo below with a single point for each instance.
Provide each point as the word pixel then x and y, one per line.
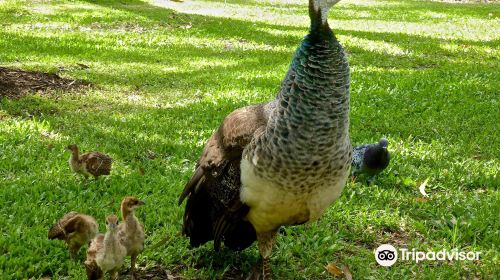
pixel 423 74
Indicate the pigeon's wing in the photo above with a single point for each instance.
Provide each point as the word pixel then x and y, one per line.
pixel 358 153
pixel 214 209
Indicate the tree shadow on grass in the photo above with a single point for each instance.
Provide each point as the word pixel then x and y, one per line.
pixel 145 67
pixel 208 26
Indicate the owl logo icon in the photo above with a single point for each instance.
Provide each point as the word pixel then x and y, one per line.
pixel 386 255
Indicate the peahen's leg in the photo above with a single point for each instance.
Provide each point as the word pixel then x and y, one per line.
pixel 262 270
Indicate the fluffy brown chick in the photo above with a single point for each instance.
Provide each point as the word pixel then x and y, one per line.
pixel 89 164
pixel 75 229
pixel 106 253
pixel 131 230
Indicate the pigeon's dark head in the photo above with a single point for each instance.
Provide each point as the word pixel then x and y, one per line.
pixel 383 143
pixel 376 157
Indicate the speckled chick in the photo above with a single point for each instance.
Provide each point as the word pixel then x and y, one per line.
pixel 279 163
pixel 89 164
pixel 370 159
pixel 75 229
pixel 106 253
pixel 131 231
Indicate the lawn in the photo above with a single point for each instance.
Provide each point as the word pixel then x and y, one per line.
pixel 425 75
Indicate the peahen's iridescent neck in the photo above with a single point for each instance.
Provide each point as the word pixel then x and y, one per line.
pixel 307 133
pixel 313 103
pixel 310 118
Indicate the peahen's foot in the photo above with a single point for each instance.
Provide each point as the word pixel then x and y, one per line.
pixel 261 271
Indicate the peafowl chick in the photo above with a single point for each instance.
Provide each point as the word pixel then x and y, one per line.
pixel 131 231
pixel 106 253
pixel 75 229
pixel 89 164
pixel 370 159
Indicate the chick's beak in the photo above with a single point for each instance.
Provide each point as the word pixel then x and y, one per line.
pixel 140 202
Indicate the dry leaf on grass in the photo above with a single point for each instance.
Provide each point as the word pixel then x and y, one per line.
pixel 421 199
pixel 342 272
pixel 334 270
pixel 422 188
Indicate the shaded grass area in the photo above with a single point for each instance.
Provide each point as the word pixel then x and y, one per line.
pixel 164 81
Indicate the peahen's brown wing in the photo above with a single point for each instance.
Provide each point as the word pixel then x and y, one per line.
pixel 214 210
pixel 97 163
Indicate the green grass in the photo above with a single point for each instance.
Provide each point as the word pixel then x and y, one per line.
pixel 424 75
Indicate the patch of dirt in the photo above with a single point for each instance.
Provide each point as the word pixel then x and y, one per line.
pixel 399 239
pixel 15 83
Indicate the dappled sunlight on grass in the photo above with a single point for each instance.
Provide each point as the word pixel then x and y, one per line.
pixel 380 47
pixel 447 30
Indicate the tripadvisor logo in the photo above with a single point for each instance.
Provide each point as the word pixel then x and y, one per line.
pixel 387 255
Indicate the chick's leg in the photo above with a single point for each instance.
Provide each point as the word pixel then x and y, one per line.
pixel 73 251
pixel 133 259
pixel 114 274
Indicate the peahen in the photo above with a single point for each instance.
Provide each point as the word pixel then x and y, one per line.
pixel 278 163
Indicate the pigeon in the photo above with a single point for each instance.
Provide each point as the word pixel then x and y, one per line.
pixel 370 159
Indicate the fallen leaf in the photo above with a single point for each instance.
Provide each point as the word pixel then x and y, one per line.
pixel 141 171
pixel 422 199
pixel 334 270
pixel 422 188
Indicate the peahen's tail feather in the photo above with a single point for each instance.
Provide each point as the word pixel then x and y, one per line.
pixel 198 218
pixel 203 216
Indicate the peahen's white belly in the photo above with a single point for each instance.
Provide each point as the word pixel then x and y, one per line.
pixel 272 206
